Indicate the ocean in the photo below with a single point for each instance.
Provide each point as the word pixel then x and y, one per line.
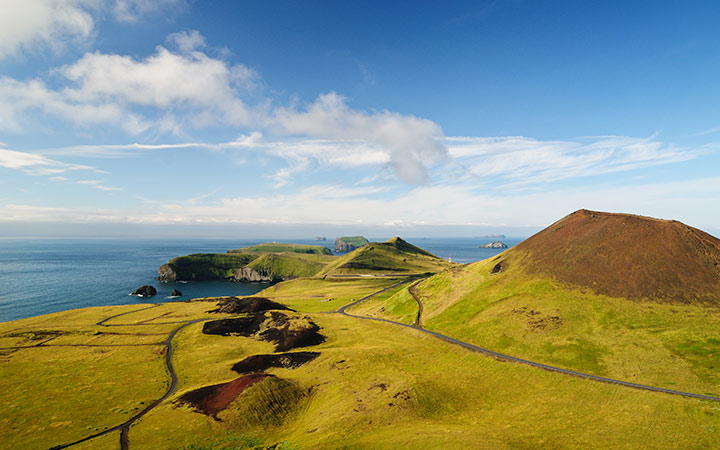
pixel 45 275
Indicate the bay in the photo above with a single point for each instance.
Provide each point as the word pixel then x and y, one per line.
pixel 45 275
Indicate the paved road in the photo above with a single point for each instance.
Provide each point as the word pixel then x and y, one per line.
pixel 526 362
pixel 125 426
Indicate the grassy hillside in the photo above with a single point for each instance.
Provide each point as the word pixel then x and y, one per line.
pixel 289 265
pixel 277 247
pixel 392 256
pixel 514 304
pixel 373 386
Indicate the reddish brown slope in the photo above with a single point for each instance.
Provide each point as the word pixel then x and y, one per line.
pixel 623 255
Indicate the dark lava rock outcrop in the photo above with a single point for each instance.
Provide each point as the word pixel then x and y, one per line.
pixel 273 326
pixel 239 305
pixel 176 293
pixel 259 363
pixel 145 291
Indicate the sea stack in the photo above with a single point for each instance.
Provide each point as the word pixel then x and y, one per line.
pixel 496 244
pixel 176 293
pixel 145 291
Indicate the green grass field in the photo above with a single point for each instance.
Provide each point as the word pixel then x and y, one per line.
pixel 375 385
pixel 660 344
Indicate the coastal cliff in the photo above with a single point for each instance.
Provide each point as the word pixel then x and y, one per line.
pixel 349 243
pixel 248 265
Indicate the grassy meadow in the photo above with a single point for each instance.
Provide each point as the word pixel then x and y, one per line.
pixel 375 385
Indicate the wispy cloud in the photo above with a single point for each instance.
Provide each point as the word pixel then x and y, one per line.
pixel 97 184
pixel 426 205
pixel 524 161
pixel 34 164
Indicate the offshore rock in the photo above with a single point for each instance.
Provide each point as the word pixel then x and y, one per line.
pixel 496 244
pixel 145 291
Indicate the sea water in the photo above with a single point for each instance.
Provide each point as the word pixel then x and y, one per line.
pixel 45 275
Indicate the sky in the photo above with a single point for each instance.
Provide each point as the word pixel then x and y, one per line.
pixel 412 118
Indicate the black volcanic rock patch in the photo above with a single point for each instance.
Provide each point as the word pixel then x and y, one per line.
pixel 238 305
pixel 273 326
pixel 241 326
pixel 176 293
pixel 259 363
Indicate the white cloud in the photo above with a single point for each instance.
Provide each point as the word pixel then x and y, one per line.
pixel 26 25
pixel 34 164
pixel 97 184
pixel 411 142
pixel 170 91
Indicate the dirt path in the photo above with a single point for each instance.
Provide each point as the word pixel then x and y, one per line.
pixel 509 358
pixel 413 291
pixel 124 427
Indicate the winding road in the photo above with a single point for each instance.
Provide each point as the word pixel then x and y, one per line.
pixel 125 426
pixel 509 358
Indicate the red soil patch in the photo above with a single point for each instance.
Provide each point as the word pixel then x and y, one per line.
pixel 210 400
pixel 623 255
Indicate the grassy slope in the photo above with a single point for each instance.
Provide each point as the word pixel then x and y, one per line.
pixel 534 317
pixel 375 386
pixel 316 295
pixel 275 247
pixel 396 304
pixel 392 256
pixel 287 265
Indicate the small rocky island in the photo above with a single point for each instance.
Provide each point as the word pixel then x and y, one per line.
pixel 496 244
pixel 145 291
pixel 349 243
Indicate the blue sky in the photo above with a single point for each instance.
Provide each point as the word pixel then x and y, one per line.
pixel 416 118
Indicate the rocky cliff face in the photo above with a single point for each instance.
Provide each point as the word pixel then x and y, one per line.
pixel 166 273
pixel 249 275
pixel 348 244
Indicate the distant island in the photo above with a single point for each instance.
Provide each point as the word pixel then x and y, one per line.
pixel 494 236
pixel 349 243
pixel 321 238
pixel 496 244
